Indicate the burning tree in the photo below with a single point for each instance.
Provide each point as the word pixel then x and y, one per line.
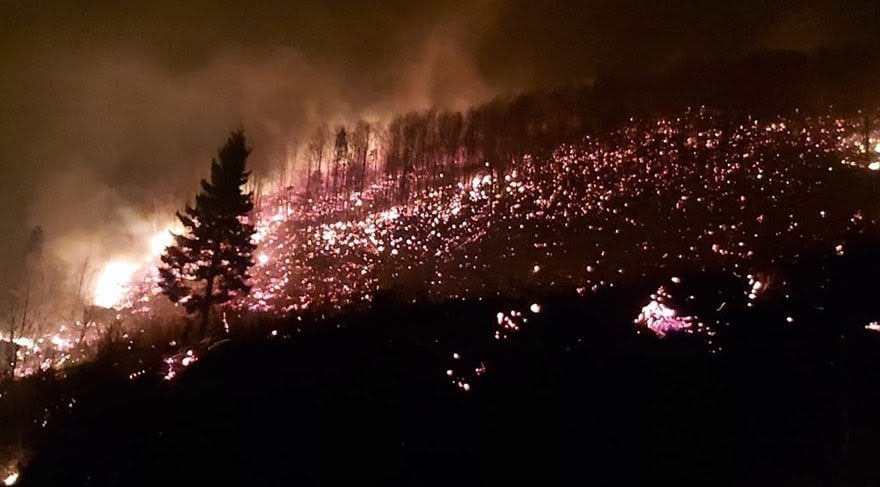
pixel 208 263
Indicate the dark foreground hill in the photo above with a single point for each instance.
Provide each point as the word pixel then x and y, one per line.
pixel 577 396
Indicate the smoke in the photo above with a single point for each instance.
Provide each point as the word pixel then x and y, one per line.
pixel 111 115
pixel 116 140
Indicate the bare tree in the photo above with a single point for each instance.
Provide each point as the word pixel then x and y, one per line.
pixel 32 300
pixel 78 310
pixel 316 155
pixel 361 147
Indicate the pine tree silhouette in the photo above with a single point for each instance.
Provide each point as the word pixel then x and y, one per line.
pixel 208 263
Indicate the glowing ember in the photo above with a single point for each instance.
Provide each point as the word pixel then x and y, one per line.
pixel 756 286
pixel 11 479
pixel 660 318
pixel 112 285
pixel 24 342
pixel 333 253
pixel 60 343
pixel 175 363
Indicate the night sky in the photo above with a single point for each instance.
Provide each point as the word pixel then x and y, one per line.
pixel 111 112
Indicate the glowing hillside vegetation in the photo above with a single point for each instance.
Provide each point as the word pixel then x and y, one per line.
pixel 656 196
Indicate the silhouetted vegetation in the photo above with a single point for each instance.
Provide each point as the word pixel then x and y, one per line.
pixel 576 395
pixel 420 149
pixel 208 263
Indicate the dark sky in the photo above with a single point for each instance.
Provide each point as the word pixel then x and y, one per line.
pixel 111 109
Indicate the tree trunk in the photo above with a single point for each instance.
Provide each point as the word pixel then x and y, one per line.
pixel 364 168
pixel 187 331
pixel 309 177
pixel 320 170
pixel 24 313
pixel 206 307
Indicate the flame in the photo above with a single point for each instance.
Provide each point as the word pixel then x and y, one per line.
pixel 160 241
pixel 372 245
pixel 112 284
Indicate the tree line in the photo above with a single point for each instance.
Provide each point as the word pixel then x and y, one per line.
pixel 420 149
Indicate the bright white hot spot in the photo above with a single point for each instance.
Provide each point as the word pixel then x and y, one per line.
pixel 112 284
pixel 159 241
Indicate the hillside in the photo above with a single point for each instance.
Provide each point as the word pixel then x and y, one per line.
pixel 576 394
pixel 679 268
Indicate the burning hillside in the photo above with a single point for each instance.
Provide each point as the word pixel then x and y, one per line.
pixel 638 206
pixel 657 196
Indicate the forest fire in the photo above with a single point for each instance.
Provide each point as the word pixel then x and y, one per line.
pixel 331 254
pixel 112 285
pixel 439 243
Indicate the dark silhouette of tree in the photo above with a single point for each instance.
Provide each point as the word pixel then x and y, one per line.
pixel 209 262
pixel 315 179
pixel 361 148
pixel 340 160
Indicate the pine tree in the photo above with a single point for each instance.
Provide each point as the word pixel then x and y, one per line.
pixel 209 262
